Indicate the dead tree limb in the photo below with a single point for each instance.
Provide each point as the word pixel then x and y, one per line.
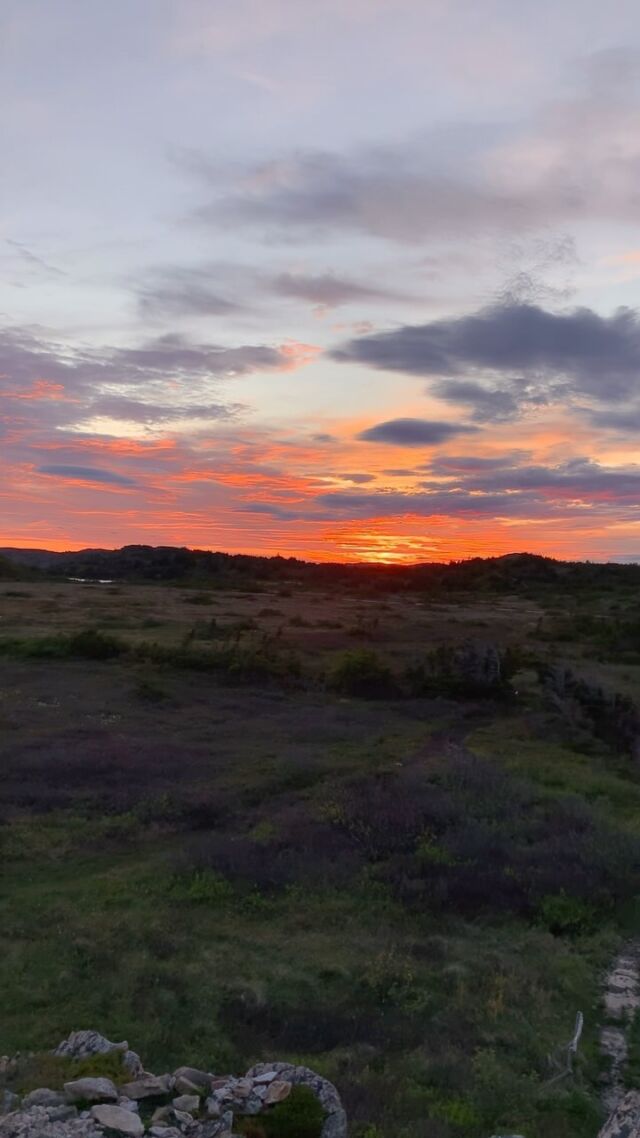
pixel 570 1050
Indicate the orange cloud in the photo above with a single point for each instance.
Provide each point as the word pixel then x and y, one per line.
pixel 41 389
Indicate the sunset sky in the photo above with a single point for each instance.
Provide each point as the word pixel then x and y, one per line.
pixel 340 279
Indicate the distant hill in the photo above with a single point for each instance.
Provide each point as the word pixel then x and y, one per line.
pixel 12 569
pixel 511 572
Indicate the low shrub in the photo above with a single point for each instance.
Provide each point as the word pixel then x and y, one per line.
pixel 361 673
pixel 87 644
pixel 562 914
pixel 43 1069
pixel 465 671
pixel 298 1116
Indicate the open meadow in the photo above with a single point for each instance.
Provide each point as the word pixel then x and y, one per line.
pixel 394 835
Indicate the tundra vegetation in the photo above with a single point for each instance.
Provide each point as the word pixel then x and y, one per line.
pixel 384 823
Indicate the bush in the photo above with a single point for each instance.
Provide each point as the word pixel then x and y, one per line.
pixel 467 671
pixel 204 887
pixel 299 1116
pixel 360 673
pixel 88 644
pixel 569 915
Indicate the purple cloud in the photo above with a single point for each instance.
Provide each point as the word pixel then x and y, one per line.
pixel 413 432
pixel 87 474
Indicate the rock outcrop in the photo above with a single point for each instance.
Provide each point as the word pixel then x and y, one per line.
pixel 187 1103
pixel 625 1120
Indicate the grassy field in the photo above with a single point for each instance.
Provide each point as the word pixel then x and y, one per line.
pixel 235 825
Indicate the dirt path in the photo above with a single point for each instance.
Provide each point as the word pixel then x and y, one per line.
pixel 621 999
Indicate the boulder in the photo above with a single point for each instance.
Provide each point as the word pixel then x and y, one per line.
pixel 625 1120
pixel 83 1044
pixel 278 1090
pixel 184 1086
pixel 149 1086
pixel 189 1103
pixel 266 1077
pixel 91 1089
pixel 43 1097
pixel 8 1102
pixel 194 1076
pixel 118 1119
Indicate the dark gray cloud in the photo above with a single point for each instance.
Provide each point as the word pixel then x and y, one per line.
pixel 627 422
pixel 167 377
pixel 524 491
pixel 272 510
pixel 173 355
pixel 351 503
pixel 486 404
pixel 328 290
pixel 87 474
pixel 359 479
pixel 580 479
pixel 27 354
pixel 526 354
pixel 413 432
pixel 146 411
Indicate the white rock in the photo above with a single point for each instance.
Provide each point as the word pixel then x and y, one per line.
pixel 266 1077
pixel 188 1103
pixel 91 1090
pixel 116 1118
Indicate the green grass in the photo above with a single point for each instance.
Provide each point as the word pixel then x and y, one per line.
pixel 139 954
pixel 606 782
pixel 119 912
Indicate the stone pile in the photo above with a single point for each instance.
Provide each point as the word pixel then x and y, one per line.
pixel 187 1103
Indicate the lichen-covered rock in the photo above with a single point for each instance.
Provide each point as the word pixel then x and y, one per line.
pixel 43 1097
pixel 83 1044
pixel 276 1091
pixel 40 1122
pixel 625 1120
pixel 149 1086
pixel 335 1124
pixel 91 1089
pixel 8 1102
pixel 188 1103
pixel 103 1109
pixel 115 1118
pixel 187 1078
